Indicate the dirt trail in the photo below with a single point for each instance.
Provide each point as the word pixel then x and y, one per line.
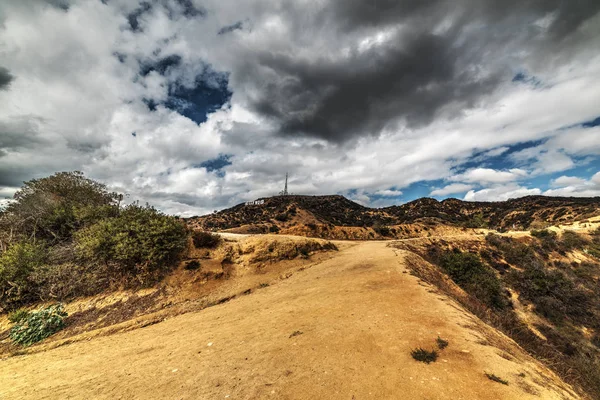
pixel 342 329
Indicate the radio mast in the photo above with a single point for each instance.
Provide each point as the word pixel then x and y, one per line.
pixel 285 190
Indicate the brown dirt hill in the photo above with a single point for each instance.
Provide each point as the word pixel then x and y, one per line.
pixel 522 213
pixel 336 217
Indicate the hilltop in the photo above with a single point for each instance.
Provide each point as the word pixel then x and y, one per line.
pixel 337 217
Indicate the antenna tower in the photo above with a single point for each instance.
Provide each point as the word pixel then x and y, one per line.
pixel 285 190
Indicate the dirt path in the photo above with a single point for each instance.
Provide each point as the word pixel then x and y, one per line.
pixel 342 329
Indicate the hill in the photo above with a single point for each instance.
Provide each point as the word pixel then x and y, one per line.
pixel 343 328
pixel 321 215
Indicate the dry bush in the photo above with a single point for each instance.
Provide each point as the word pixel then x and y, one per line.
pixel 205 240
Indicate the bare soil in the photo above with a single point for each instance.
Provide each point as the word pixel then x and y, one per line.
pixel 342 328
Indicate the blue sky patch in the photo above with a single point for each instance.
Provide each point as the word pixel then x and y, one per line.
pixel 209 94
pixel 522 77
pixel 216 163
pixel 592 123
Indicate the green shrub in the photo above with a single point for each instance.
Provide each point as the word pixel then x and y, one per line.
pixel 515 252
pixel 476 221
pixel 283 217
pixel 38 325
pixel 192 265
pixel 543 233
pixel 423 355
pixel 18 315
pixel 207 240
pixel 141 243
pixel 442 343
pixel 382 230
pixel 552 292
pixel 17 263
pixel 471 274
pixel 572 240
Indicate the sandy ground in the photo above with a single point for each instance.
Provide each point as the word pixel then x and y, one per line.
pixel 342 329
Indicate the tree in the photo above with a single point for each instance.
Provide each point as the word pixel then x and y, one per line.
pixel 53 208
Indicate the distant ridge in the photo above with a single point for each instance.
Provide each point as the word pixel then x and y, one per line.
pixel 334 210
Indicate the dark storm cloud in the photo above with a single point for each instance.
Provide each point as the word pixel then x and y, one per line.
pixel 185 8
pixel 230 28
pixel 416 75
pixel 134 17
pixel 5 78
pixel 366 92
pixel 161 66
pixel 570 15
pixel 19 133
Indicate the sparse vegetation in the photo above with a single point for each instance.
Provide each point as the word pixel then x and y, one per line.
pixel 470 273
pixel 423 355
pixel 205 240
pixel 192 265
pixel 562 292
pixel 38 325
pixel 441 343
pixel 495 378
pixel 18 315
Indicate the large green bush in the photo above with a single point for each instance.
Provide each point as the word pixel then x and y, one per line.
pixel 140 242
pixel 16 265
pixel 38 325
pixel 477 279
pixel 48 208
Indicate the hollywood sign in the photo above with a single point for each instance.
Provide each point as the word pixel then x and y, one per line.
pixel 255 203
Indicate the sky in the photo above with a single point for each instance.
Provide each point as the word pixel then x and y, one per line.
pixel 198 105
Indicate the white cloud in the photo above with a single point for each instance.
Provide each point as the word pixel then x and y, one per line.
pixel 389 193
pixel 569 186
pixel 453 188
pixel 500 193
pixel 488 175
pixel 567 181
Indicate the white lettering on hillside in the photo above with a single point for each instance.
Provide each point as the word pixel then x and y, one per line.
pixel 255 203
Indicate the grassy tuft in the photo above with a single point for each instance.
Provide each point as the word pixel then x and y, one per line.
pixel 441 343
pixel 495 378
pixel 423 355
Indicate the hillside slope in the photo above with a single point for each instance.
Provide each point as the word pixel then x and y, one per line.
pixel 321 215
pixel 342 329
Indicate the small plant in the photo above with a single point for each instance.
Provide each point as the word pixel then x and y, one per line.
pixel 441 343
pixel 205 239
pixel 17 316
pixel 495 378
pixel 38 325
pixel 192 265
pixel 283 217
pixel 423 355
pixel 296 333
pixel 263 285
